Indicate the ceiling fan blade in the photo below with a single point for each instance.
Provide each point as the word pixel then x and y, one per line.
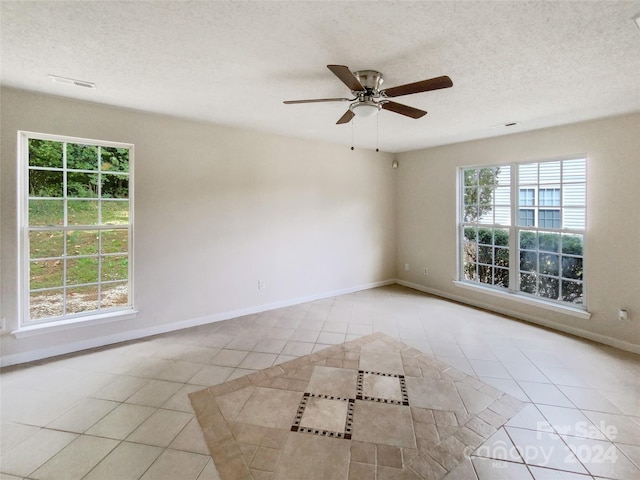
pixel 346 77
pixel 318 100
pixel 403 109
pixel 346 118
pixel 418 87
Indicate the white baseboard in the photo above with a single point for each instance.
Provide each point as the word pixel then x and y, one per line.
pixel 33 355
pixel 578 332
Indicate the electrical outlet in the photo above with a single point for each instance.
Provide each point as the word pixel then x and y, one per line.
pixel 426 270
pixel 262 284
pixel 406 267
pixel 623 315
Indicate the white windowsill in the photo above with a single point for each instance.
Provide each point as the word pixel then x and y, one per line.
pixel 555 307
pixel 71 323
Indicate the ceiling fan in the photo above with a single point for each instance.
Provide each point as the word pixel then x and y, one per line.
pixel 369 99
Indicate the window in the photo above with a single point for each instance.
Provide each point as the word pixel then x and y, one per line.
pixel 76 224
pixel 541 255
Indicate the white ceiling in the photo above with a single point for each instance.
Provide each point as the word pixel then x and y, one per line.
pixel 540 63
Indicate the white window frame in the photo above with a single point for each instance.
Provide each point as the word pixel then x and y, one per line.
pixel 27 326
pixel 513 291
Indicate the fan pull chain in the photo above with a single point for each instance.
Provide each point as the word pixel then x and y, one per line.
pixel 354 121
pixel 377 131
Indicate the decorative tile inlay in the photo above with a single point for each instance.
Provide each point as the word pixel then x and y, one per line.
pixel 420 415
pixel 348 419
pixel 372 398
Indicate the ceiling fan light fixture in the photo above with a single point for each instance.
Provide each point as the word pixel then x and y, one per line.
pixel 365 109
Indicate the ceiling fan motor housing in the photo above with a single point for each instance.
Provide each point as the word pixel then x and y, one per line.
pixel 371 81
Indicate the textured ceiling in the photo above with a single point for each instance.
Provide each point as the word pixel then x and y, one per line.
pixel 539 63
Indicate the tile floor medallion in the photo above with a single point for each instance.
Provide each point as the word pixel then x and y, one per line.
pixel 371 408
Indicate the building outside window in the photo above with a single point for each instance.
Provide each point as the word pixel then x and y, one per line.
pixel 542 254
pixel 76 223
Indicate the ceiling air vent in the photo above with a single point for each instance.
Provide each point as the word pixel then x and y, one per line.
pixel 72 82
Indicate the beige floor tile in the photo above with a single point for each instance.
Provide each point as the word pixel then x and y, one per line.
pixel 460 363
pixel 617 428
pixel 474 400
pixel 240 372
pixel 190 439
pixel 27 456
pixel 128 461
pixel 121 421
pixel 540 473
pixel 565 376
pixel 121 388
pixel 588 399
pixel 11 434
pixel 570 421
pixel 232 403
pixel 155 393
pixel 179 371
pixel 149 367
pixel 318 347
pixel 507 386
pixel 83 416
pixel 602 458
pixel 325 414
pixel 209 472
pixel 160 428
pixel 176 465
pixel 186 353
pixel 380 357
pixel 525 372
pixel 270 408
pixel 270 345
pixel 489 368
pixel 530 418
pixel 434 394
pixel 544 450
pixel 545 393
pixel 33 407
pixel 304 335
pixel 5 476
pixel 243 343
pixel 334 326
pixel 76 459
pixel 279 333
pixel 379 386
pixel 315 450
pixel 464 471
pixel 383 423
pixel 489 469
pixel 331 338
pixel 297 348
pixel 180 400
pixel 627 401
pixel 211 375
pixel 499 447
pixel 631 451
pixel 53 392
pixel 258 360
pixel 333 381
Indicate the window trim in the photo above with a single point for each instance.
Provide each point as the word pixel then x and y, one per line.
pixel 513 292
pixel 27 327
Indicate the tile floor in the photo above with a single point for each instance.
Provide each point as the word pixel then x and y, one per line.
pixel 122 412
pixel 376 407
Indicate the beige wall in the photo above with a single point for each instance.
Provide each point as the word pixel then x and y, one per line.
pixel 216 210
pixel 426 220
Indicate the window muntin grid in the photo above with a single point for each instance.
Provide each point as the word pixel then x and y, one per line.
pixel 76 215
pixel 547 243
